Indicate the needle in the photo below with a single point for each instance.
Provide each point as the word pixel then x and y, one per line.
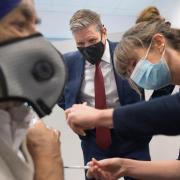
pixel 76 167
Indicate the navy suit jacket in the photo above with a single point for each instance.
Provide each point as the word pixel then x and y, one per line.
pixel 75 67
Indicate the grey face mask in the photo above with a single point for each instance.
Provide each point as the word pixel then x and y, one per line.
pixel 32 71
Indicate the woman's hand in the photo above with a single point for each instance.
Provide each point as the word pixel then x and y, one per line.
pixel 107 169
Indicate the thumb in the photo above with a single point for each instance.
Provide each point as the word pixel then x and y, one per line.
pixel 84 103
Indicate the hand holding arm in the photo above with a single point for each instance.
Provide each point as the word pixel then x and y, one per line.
pixel 81 117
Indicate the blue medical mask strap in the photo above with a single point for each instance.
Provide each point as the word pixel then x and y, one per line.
pixel 148 50
pixel 163 59
pixel 163 53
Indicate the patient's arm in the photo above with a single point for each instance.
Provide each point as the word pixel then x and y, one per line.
pixel 44 146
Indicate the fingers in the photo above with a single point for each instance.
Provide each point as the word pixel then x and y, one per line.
pixel 104 163
pixel 39 123
pixel 67 112
pixel 97 173
pixel 76 129
pixel 95 170
pixel 84 103
pixel 70 111
pixel 73 108
pixel 77 118
pixel 41 126
pixel 57 132
pixel 79 131
pixel 79 105
pixel 72 124
pixel 94 161
pixel 92 171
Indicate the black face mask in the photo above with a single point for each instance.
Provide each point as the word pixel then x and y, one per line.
pixel 93 53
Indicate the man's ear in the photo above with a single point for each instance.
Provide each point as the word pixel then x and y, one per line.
pixel 104 32
pixel 159 42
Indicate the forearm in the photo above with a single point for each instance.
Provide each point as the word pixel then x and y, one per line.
pixel 149 118
pixel 156 170
pixel 105 118
pixel 48 168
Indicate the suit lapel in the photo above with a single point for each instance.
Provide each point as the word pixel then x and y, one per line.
pixel 119 81
pixel 80 75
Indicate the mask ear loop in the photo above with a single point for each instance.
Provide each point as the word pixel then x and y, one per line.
pixel 163 51
pixel 141 60
pixel 148 50
pixel 163 60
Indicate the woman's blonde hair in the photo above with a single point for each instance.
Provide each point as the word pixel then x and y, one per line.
pixel 148 14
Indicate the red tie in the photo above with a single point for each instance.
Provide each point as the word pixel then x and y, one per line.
pixel 103 136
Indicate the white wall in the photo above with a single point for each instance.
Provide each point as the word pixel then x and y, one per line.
pixel 116 15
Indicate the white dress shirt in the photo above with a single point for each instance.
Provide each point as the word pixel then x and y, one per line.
pixel 176 89
pixel 87 88
pixel 148 93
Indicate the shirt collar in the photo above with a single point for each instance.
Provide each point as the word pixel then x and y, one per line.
pixel 106 56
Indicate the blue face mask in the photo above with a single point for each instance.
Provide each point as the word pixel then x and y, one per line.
pixel 151 76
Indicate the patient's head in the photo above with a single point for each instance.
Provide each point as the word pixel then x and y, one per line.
pixel 17 19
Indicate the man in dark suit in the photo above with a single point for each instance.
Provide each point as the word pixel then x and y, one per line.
pixel 94 49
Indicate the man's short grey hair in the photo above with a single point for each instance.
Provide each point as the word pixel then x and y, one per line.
pixel 84 18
